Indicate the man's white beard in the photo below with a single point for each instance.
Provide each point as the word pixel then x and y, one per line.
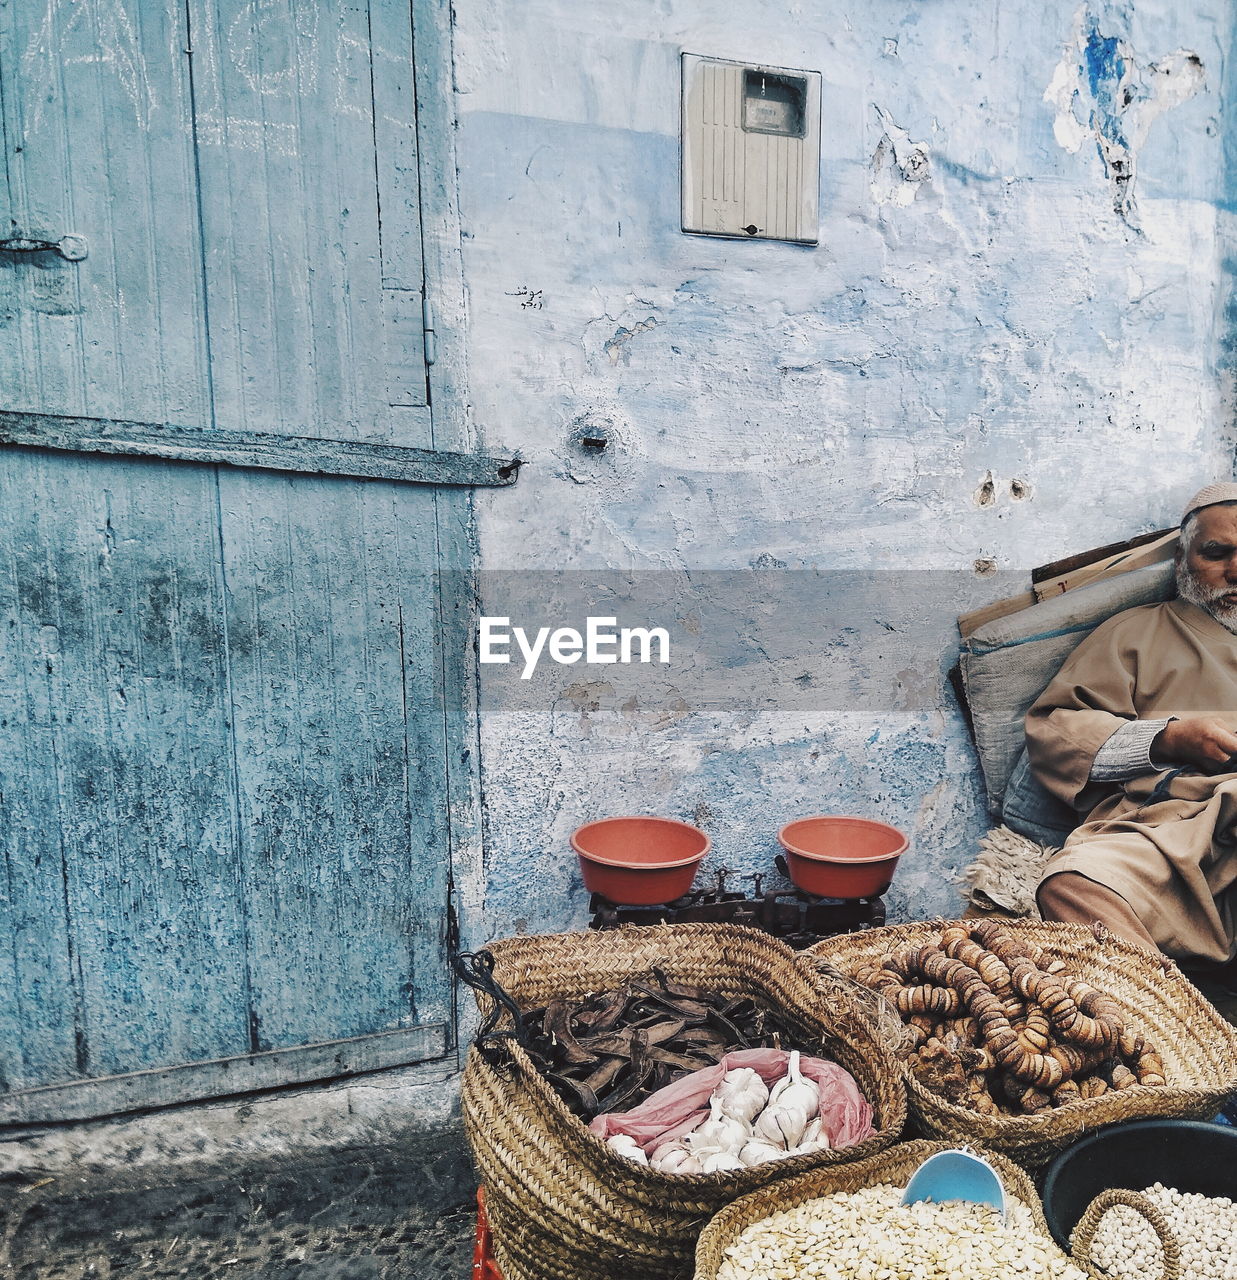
pixel 1206 598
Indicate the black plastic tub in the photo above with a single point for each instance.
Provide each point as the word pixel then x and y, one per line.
pixel 1186 1154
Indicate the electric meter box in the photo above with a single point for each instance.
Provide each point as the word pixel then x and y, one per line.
pixel 751 150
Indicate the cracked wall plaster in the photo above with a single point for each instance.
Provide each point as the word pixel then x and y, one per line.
pixel 899 166
pixel 1101 92
pixel 837 408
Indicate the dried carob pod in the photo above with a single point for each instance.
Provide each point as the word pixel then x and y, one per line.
pixel 556 1024
pixel 609 1050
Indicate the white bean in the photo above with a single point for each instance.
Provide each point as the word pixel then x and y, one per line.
pixel 869 1235
pixel 1205 1226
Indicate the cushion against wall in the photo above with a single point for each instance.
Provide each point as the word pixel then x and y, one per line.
pixel 1031 810
pixel 1007 663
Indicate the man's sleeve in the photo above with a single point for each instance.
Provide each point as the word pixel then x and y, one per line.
pixel 1127 753
pixel 1091 698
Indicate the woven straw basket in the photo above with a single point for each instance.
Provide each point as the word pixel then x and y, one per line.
pixel 1198 1047
pixel 895 1166
pixel 562 1204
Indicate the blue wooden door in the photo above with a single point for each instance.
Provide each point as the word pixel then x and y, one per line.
pixel 224 718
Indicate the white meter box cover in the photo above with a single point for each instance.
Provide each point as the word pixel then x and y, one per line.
pixel 751 150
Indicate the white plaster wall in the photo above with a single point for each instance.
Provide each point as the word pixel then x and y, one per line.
pixel 780 409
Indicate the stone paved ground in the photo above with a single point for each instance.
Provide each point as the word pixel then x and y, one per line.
pixel 360 1213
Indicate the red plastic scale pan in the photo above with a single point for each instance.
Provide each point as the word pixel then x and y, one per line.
pixel 842 857
pixel 639 862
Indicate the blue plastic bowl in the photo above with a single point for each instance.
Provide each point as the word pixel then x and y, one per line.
pixel 956 1175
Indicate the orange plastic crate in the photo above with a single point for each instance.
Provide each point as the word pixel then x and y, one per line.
pixel 483 1265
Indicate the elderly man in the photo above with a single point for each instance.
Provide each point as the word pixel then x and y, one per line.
pixel 1137 733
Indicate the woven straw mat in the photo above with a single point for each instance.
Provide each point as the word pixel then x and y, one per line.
pixel 1198 1047
pixel 895 1166
pixel 562 1204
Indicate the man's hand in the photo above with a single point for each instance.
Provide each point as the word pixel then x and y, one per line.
pixel 1203 741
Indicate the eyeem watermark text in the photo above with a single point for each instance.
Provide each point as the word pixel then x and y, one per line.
pixel 603 641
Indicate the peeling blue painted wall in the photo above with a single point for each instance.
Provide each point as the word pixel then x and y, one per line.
pixel 1012 343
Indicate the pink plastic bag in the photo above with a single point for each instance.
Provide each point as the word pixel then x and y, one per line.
pixel 675 1110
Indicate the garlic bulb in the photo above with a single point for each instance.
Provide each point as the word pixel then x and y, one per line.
pixel 781 1125
pixel 793 1101
pixel 795 1090
pixel 721 1162
pixel 815 1138
pixel 625 1145
pixel 719 1132
pixel 757 1151
pixel 742 1094
pixel 674 1157
pixel 786 1122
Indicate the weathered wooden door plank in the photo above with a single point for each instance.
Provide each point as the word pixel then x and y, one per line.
pixel 291 222
pixel 98 122
pixel 83 1100
pixel 40 1014
pixel 308 455
pixel 148 813
pixel 120 625
pixel 399 203
pixel 338 728
pixel 340 770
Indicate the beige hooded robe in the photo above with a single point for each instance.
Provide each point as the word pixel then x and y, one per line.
pixel 1164 841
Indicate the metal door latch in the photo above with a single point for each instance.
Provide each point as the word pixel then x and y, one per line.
pixel 70 248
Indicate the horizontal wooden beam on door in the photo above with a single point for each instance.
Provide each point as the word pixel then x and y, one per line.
pixel 273 1069
pixel 306 455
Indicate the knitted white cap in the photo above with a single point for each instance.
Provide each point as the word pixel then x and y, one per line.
pixel 1209 495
